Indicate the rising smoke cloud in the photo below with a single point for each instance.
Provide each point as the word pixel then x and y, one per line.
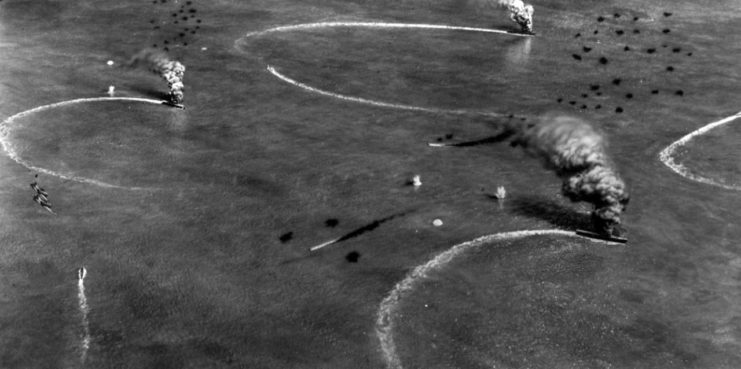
pixel 519 12
pixel 576 152
pixel 159 62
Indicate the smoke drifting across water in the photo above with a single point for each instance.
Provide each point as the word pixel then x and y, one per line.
pixel 159 62
pixel 576 152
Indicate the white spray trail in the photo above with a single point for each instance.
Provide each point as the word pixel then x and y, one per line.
pixel 382 25
pixel 382 104
pixel 387 308
pixel 374 25
pixel 666 155
pixel 84 310
pixel 7 125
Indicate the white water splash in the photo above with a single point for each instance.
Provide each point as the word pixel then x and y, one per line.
pixel 7 125
pixel 666 155
pixel 384 320
pixel 84 310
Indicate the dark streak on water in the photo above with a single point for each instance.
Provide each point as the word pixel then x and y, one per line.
pixel 486 140
pixel 371 226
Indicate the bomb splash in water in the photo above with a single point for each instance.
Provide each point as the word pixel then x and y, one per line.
pixel 577 153
pixel 159 62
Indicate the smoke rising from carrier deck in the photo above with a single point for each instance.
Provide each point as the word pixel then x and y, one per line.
pixel 577 153
pixel 159 62
pixel 519 12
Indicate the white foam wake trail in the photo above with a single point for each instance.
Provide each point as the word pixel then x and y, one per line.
pixel 377 25
pixel 382 25
pixel 317 247
pixel 6 127
pixel 666 155
pixel 384 319
pixel 382 104
pixel 84 310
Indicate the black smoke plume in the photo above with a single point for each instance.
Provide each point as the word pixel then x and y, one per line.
pixel 576 152
pixel 159 62
pixel 519 12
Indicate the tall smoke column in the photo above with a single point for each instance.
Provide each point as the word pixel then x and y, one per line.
pixel 519 12
pixel 577 153
pixel 159 62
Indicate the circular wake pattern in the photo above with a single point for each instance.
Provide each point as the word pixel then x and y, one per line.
pixel 7 125
pixel 378 25
pixel 385 316
pixel 306 26
pixel 382 104
pixel 667 155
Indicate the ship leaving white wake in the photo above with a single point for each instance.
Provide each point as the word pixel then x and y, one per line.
pixel 84 310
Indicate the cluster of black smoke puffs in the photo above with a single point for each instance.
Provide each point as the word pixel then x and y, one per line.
pixel 620 33
pixel 178 26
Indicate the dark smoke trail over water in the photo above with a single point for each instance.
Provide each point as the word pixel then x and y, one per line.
pixel 370 226
pixel 576 152
pixel 159 62
pixel 357 232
